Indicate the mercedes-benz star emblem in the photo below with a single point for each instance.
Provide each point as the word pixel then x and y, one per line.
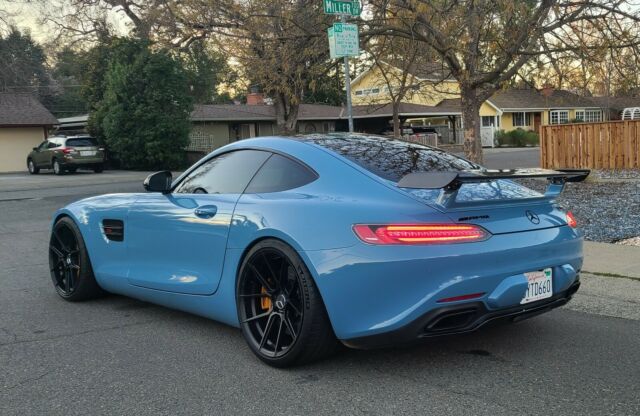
pixel 531 216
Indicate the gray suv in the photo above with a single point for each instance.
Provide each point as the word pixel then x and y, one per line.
pixel 67 153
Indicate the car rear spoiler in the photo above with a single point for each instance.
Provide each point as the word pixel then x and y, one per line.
pixel 450 182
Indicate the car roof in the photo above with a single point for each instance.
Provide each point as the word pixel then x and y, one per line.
pixel 63 137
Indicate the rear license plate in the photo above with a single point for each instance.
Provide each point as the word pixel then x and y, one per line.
pixel 540 286
pixel 87 152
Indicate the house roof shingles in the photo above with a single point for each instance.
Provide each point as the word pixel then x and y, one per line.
pixel 616 103
pixel 227 112
pixel 386 110
pixel 532 98
pixel 23 110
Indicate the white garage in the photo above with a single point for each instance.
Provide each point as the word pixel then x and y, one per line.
pixel 23 125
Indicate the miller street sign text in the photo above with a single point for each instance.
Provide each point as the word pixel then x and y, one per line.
pixel 342 7
pixel 343 40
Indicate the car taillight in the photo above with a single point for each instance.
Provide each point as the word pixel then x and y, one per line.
pixel 571 220
pixel 419 233
pixel 67 150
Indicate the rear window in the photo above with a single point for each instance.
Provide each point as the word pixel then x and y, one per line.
pixel 390 159
pixel 82 142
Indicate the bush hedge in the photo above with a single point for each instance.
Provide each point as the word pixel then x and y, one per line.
pixel 517 138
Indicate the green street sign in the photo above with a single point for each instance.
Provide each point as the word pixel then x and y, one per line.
pixel 342 7
pixel 343 40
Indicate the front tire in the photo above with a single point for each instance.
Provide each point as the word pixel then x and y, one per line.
pixel 281 313
pixel 57 167
pixel 69 263
pixel 33 169
pixel 98 168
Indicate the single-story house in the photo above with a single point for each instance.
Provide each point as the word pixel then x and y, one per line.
pixel 24 123
pixel 214 125
pixel 530 108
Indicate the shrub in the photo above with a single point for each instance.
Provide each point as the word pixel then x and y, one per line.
pixel 517 138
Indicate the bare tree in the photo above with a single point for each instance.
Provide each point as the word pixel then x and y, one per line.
pixel 282 47
pixel 485 43
pixel 407 68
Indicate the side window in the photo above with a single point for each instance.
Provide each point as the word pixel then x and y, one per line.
pixel 52 145
pixel 280 173
pixel 228 173
pixel 43 145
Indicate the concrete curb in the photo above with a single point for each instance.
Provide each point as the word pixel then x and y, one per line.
pixel 611 259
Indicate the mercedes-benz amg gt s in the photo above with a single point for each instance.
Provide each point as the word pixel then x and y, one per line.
pixel 304 242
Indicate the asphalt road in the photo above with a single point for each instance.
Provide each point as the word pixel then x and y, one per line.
pixel 121 356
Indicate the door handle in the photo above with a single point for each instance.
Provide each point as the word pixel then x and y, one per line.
pixel 206 211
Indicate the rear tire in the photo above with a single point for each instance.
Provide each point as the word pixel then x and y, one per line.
pixel 69 263
pixel 57 167
pixel 281 313
pixel 98 168
pixel 33 169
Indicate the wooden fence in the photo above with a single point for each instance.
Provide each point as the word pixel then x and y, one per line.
pixel 606 145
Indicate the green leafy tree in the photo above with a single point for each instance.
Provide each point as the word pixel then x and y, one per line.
pixel 144 113
pixel 68 73
pixel 22 64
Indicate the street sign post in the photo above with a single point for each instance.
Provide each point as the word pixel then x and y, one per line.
pixel 343 40
pixel 342 7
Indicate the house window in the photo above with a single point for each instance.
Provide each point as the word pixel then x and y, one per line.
pixel 559 117
pixel 368 91
pixel 488 121
pixel 588 116
pixel 521 119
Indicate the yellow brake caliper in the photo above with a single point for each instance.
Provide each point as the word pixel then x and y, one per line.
pixel 265 301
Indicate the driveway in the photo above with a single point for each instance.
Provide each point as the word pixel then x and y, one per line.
pixel 508 158
pixel 121 356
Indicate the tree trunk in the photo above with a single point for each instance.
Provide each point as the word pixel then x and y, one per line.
pixel 471 121
pixel 286 115
pixel 396 120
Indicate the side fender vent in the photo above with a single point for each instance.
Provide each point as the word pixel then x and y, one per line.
pixel 113 229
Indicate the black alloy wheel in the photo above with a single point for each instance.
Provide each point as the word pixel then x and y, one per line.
pixel 69 263
pixel 280 310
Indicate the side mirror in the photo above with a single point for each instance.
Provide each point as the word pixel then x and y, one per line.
pixel 158 182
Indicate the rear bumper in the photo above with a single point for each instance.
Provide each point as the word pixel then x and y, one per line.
pixel 458 319
pixel 67 162
pixel 370 290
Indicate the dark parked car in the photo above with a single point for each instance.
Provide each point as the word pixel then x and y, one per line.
pixel 63 154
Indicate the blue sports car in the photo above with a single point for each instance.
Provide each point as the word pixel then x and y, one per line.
pixel 305 242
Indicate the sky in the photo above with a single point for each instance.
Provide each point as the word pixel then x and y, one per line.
pixel 27 14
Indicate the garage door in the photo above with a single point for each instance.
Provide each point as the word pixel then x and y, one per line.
pixel 15 145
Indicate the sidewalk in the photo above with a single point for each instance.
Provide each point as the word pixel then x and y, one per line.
pixel 611 259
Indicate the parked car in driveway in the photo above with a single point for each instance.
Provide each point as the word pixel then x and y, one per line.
pixel 67 154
